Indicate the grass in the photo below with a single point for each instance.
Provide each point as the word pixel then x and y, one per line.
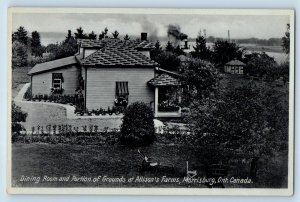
pixel 59 160
pixel 19 78
pixel 43 115
pixel 92 161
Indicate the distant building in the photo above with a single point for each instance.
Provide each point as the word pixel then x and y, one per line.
pixel 234 67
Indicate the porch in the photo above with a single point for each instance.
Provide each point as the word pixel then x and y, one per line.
pixel 167 96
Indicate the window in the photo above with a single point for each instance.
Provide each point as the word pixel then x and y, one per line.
pixel 122 89
pixel 57 80
pixel 56 83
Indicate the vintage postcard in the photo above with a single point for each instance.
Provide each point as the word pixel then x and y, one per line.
pixel 150 101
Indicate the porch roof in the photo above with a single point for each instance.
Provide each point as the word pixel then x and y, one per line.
pixel 164 80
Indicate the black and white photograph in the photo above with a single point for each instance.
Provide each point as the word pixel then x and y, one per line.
pixel 151 101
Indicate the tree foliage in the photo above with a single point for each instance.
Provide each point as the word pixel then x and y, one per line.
pixel 245 121
pixel 115 34
pixel 286 40
pixel 224 51
pixel 126 37
pixel 138 125
pixel 21 35
pixel 19 54
pixel 201 51
pixel 167 60
pixel 103 34
pixel 80 33
pixel 260 64
pixel 17 116
pixel 36 47
pixel 169 47
pixel 92 35
pixel 67 48
pixel 199 79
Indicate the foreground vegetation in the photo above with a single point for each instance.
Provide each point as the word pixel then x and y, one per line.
pixel 61 160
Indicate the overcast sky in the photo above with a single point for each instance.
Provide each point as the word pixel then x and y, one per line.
pixel 240 26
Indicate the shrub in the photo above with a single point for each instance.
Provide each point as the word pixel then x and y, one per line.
pixel 138 126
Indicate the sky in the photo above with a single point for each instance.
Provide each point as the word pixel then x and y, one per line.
pixel 241 26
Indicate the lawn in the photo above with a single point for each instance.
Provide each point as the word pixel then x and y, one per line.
pixel 43 115
pixel 19 78
pixel 91 161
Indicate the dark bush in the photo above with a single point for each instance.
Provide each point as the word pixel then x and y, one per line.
pixel 138 126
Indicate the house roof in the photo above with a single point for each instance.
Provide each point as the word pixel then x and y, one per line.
pixel 164 80
pixel 118 55
pixel 42 67
pixel 136 44
pixel 235 63
pixel 91 43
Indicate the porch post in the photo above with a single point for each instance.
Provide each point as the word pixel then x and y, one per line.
pixel 156 102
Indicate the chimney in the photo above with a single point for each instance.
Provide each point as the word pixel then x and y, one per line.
pixel 144 36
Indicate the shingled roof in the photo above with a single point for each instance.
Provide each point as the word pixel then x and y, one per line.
pixel 235 63
pixel 136 44
pixel 118 55
pixel 55 64
pixel 164 80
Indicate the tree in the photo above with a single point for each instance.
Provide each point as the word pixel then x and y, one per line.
pixel 200 50
pixel 52 48
pixel 224 51
pixel 80 34
pixel 36 46
pixel 67 48
pixel 115 34
pixel 126 37
pixel 200 78
pixel 17 116
pixel 138 126
pixel 103 34
pixel 19 54
pixel 69 36
pixel 178 51
pixel 260 64
pixel 169 47
pixel 167 60
pixel 21 35
pixel 157 46
pixel 92 35
pixel 243 122
pixel 286 40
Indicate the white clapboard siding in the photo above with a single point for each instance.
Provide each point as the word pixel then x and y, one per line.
pixel 101 85
pixel 42 82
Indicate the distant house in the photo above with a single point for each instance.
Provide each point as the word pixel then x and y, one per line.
pixel 234 67
pixel 103 71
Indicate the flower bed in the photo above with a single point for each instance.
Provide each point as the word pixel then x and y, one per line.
pixel 168 107
pixel 100 112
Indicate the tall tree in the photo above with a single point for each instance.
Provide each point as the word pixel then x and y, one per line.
pixel 92 35
pixel 80 34
pixel 126 37
pixel 157 46
pixel 21 35
pixel 36 46
pixel 19 54
pixel 286 40
pixel 260 64
pixel 169 47
pixel 224 51
pixel 103 34
pixel 201 50
pixel 115 34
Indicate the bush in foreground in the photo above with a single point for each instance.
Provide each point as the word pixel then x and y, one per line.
pixel 138 126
